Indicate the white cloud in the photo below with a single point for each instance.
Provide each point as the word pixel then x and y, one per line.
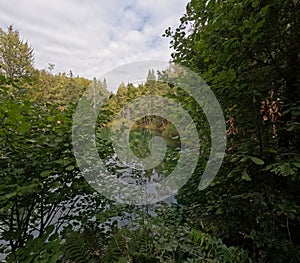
pixel 91 37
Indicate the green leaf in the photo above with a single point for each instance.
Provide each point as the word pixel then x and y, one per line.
pixel 257 160
pixel 70 168
pixel 255 3
pixel 296 164
pixel 245 176
pixel 8 196
pixel 264 10
pixel 46 173
pixel 24 127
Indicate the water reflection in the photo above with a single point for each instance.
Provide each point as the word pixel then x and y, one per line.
pixel 140 144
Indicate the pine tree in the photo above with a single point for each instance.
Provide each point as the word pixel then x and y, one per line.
pixel 151 75
pixel 16 56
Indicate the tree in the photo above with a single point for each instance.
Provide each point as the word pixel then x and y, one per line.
pixel 16 56
pixel 151 75
pixel 50 67
pixel 41 190
pixel 249 54
pixel 244 50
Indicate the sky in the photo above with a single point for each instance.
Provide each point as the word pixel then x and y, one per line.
pixel 91 37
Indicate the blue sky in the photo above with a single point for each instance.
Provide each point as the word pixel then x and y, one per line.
pixel 91 37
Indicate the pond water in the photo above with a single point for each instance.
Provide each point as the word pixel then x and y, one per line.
pixel 131 172
pixel 140 140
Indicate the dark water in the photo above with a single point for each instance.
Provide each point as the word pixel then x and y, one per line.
pixel 131 172
pixel 139 144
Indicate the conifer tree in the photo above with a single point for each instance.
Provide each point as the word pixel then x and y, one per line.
pixel 16 56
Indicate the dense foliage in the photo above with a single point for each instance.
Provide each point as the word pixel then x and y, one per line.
pixel 249 53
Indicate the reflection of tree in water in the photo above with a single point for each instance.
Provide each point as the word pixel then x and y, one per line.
pixel 133 172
